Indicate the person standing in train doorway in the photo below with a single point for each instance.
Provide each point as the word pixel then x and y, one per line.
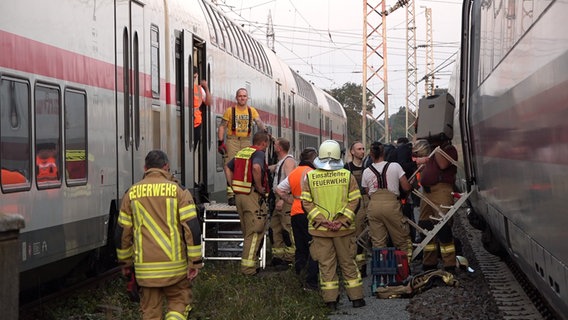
pixel 248 173
pixel 201 96
pixel 437 180
pixel 355 166
pixel 280 223
pixel 158 234
pixel 330 197
pixel 238 121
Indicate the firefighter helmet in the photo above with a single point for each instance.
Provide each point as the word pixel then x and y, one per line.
pixel 330 149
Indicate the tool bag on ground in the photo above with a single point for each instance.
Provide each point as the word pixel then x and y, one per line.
pixel 417 284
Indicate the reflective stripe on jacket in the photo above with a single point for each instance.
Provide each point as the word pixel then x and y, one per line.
pixel 160 230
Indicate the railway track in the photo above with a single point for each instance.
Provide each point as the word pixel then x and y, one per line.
pixel 33 309
pixel 515 296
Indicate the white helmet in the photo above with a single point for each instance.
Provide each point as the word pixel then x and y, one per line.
pixel 329 156
pixel 330 149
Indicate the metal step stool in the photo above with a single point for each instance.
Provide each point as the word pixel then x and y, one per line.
pixel 222 236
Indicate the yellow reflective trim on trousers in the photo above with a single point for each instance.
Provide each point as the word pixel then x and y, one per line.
pixel 187 212
pixel 124 254
pixel 194 251
pixel 361 257
pixel 125 219
pixel 353 283
pixel 330 285
pixel 278 251
pixel 447 248
pixel 253 247
pixel 431 247
pixel 248 263
pixel 174 315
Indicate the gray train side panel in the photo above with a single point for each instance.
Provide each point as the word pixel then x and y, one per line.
pixel 436 116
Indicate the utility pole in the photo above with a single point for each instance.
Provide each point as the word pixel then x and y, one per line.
pixel 270 32
pixel 411 70
pixel 429 78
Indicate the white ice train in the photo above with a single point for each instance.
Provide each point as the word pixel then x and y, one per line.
pixel 88 87
pixel 513 94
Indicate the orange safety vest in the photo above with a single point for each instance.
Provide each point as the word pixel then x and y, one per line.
pixel 197 101
pixel 242 173
pixel 295 179
pixel 12 177
pixel 46 169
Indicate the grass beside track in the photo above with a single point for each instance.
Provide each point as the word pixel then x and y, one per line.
pixel 220 292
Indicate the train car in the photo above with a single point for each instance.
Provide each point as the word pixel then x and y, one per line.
pixel 87 88
pixel 513 94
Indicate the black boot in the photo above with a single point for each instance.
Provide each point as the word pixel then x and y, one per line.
pixel 331 305
pixel 358 303
pixel 363 270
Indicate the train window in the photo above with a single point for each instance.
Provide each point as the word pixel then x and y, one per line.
pixel 238 40
pixel 15 137
pixel 219 28
pixel 136 87
pixel 75 137
pixel 231 41
pixel 126 84
pixel 212 27
pixel 155 61
pixel 47 136
pixel 246 49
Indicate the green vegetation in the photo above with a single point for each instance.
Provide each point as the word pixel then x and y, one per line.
pixel 220 292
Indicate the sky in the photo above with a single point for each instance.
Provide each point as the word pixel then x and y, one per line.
pixel 323 39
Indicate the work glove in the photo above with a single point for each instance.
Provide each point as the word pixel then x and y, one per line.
pixel 222 148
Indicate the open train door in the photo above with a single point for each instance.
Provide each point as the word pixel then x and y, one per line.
pixel 129 88
pixel 184 93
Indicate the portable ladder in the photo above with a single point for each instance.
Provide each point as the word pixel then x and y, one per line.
pixel 442 218
pixel 221 230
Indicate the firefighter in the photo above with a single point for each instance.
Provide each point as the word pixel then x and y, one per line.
pixel 201 96
pixel 46 163
pixel 158 235
pixel 238 120
pixel 330 196
pixel 282 239
pixel 290 189
pixel 248 173
pixel 437 180
pixel 355 166
pixel 382 182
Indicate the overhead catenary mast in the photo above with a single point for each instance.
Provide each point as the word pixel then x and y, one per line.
pixel 411 70
pixel 429 77
pixel 375 76
pixel 270 32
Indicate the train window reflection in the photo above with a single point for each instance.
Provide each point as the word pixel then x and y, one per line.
pixel 15 138
pixel 47 136
pixel 75 137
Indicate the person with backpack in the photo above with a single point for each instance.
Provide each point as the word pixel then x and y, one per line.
pixel 382 182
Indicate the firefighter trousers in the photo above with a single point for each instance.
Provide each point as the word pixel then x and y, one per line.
pixel 386 220
pixel 253 215
pixel 281 226
pixel 178 297
pixel 330 252
pixel 442 245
